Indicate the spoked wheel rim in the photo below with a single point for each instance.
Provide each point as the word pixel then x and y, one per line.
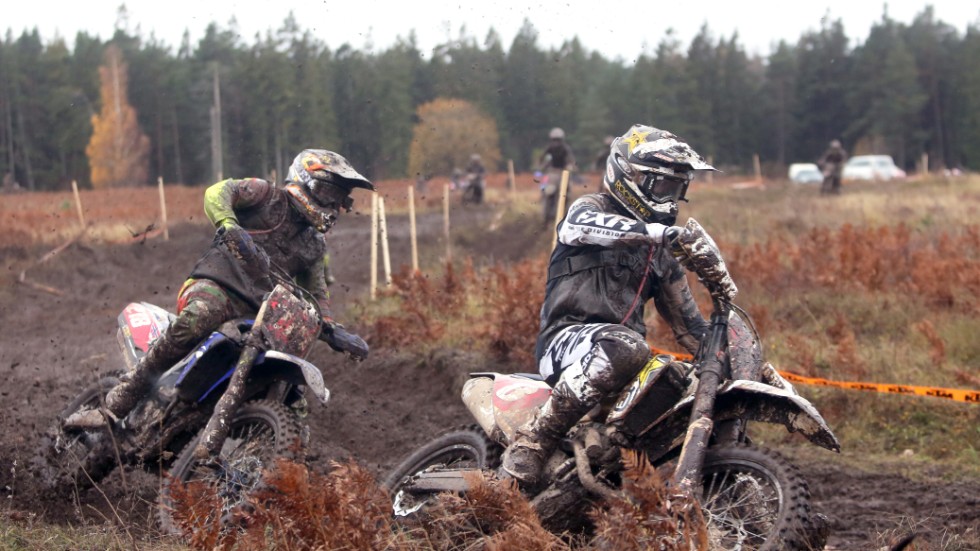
pixel 249 448
pixel 261 432
pixel 464 449
pixel 742 503
pixel 459 457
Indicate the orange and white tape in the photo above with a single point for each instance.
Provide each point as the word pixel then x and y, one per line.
pixel 955 394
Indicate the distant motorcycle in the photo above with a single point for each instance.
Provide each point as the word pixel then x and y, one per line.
pixel 690 420
pixel 251 371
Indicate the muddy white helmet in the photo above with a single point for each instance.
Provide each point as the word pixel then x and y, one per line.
pixel 648 171
pixel 556 134
pixel 319 183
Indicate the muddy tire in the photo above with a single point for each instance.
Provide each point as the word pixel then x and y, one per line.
pixel 466 448
pixel 261 432
pixel 753 498
pixel 77 459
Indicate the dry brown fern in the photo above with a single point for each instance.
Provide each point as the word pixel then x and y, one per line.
pixel 649 516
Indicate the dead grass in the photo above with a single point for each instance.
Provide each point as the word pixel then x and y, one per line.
pixel 344 509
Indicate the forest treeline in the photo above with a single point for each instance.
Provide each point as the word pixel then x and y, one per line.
pixel 908 89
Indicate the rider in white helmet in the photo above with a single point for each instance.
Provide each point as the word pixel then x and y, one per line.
pixel 610 259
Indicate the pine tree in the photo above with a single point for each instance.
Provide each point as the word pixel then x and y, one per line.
pixel 118 150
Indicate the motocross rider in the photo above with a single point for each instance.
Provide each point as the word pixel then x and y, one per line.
pixel 475 172
pixel 832 165
pixel 610 259
pixel 556 157
pixel 262 228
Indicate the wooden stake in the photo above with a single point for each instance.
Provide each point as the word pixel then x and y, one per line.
pixel 163 210
pixel 560 210
pixel 511 184
pixel 445 222
pixel 757 166
pixel 385 256
pixel 413 234
pixel 374 246
pixel 711 173
pixel 78 203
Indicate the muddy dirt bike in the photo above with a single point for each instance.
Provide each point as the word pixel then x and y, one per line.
pixel 689 419
pixel 249 373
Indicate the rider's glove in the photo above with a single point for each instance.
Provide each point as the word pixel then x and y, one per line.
pixel 343 341
pixel 238 240
pixel 697 251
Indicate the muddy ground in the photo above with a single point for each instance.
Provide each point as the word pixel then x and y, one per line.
pixel 51 345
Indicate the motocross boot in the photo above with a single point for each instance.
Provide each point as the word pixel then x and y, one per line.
pixel 137 383
pixel 536 441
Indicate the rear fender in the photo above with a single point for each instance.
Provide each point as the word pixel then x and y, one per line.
pixel 140 323
pixel 749 400
pixel 502 403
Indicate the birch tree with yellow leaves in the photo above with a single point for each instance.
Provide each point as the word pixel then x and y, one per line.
pixel 118 151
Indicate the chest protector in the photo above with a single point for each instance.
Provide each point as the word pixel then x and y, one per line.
pixel 287 245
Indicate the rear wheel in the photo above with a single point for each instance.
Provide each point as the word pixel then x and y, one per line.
pixel 74 457
pixel 261 432
pixel 463 449
pixel 754 499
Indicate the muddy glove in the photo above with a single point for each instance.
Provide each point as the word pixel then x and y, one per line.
pixel 343 341
pixel 696 251
pixel 253 259
pixel 238 240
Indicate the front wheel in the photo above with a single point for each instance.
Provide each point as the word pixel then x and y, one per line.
pixel 463 449
pixel 753 498
pixel 260 432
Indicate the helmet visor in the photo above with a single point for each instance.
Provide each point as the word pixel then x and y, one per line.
pixel 327 194
pixel 662 189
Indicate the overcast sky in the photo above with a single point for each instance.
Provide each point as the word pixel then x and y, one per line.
pixel 615 29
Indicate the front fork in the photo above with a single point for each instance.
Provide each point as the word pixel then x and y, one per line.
pixel 711 372
pixel 214 434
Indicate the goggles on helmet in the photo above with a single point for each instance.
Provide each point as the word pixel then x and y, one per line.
pixel 329 194
pixel 664 189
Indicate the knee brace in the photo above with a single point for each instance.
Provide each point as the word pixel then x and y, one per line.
pixel 617 355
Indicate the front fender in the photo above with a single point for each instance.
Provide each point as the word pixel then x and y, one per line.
pixel 749 400
pixel 280 365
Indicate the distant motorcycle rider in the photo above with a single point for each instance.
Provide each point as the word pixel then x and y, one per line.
pixel 610 259
pixel 475 184
pixel 832 165
pixel 556 157
pixel 262 228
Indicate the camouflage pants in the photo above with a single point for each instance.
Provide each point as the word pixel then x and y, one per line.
pixel 202 306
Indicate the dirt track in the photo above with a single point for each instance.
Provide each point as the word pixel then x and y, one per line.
pixel 52 345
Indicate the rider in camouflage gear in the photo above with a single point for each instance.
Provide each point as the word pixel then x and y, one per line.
pixel 263 229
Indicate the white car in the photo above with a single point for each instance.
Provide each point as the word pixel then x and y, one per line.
pixel 805 173
pixel 872 167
